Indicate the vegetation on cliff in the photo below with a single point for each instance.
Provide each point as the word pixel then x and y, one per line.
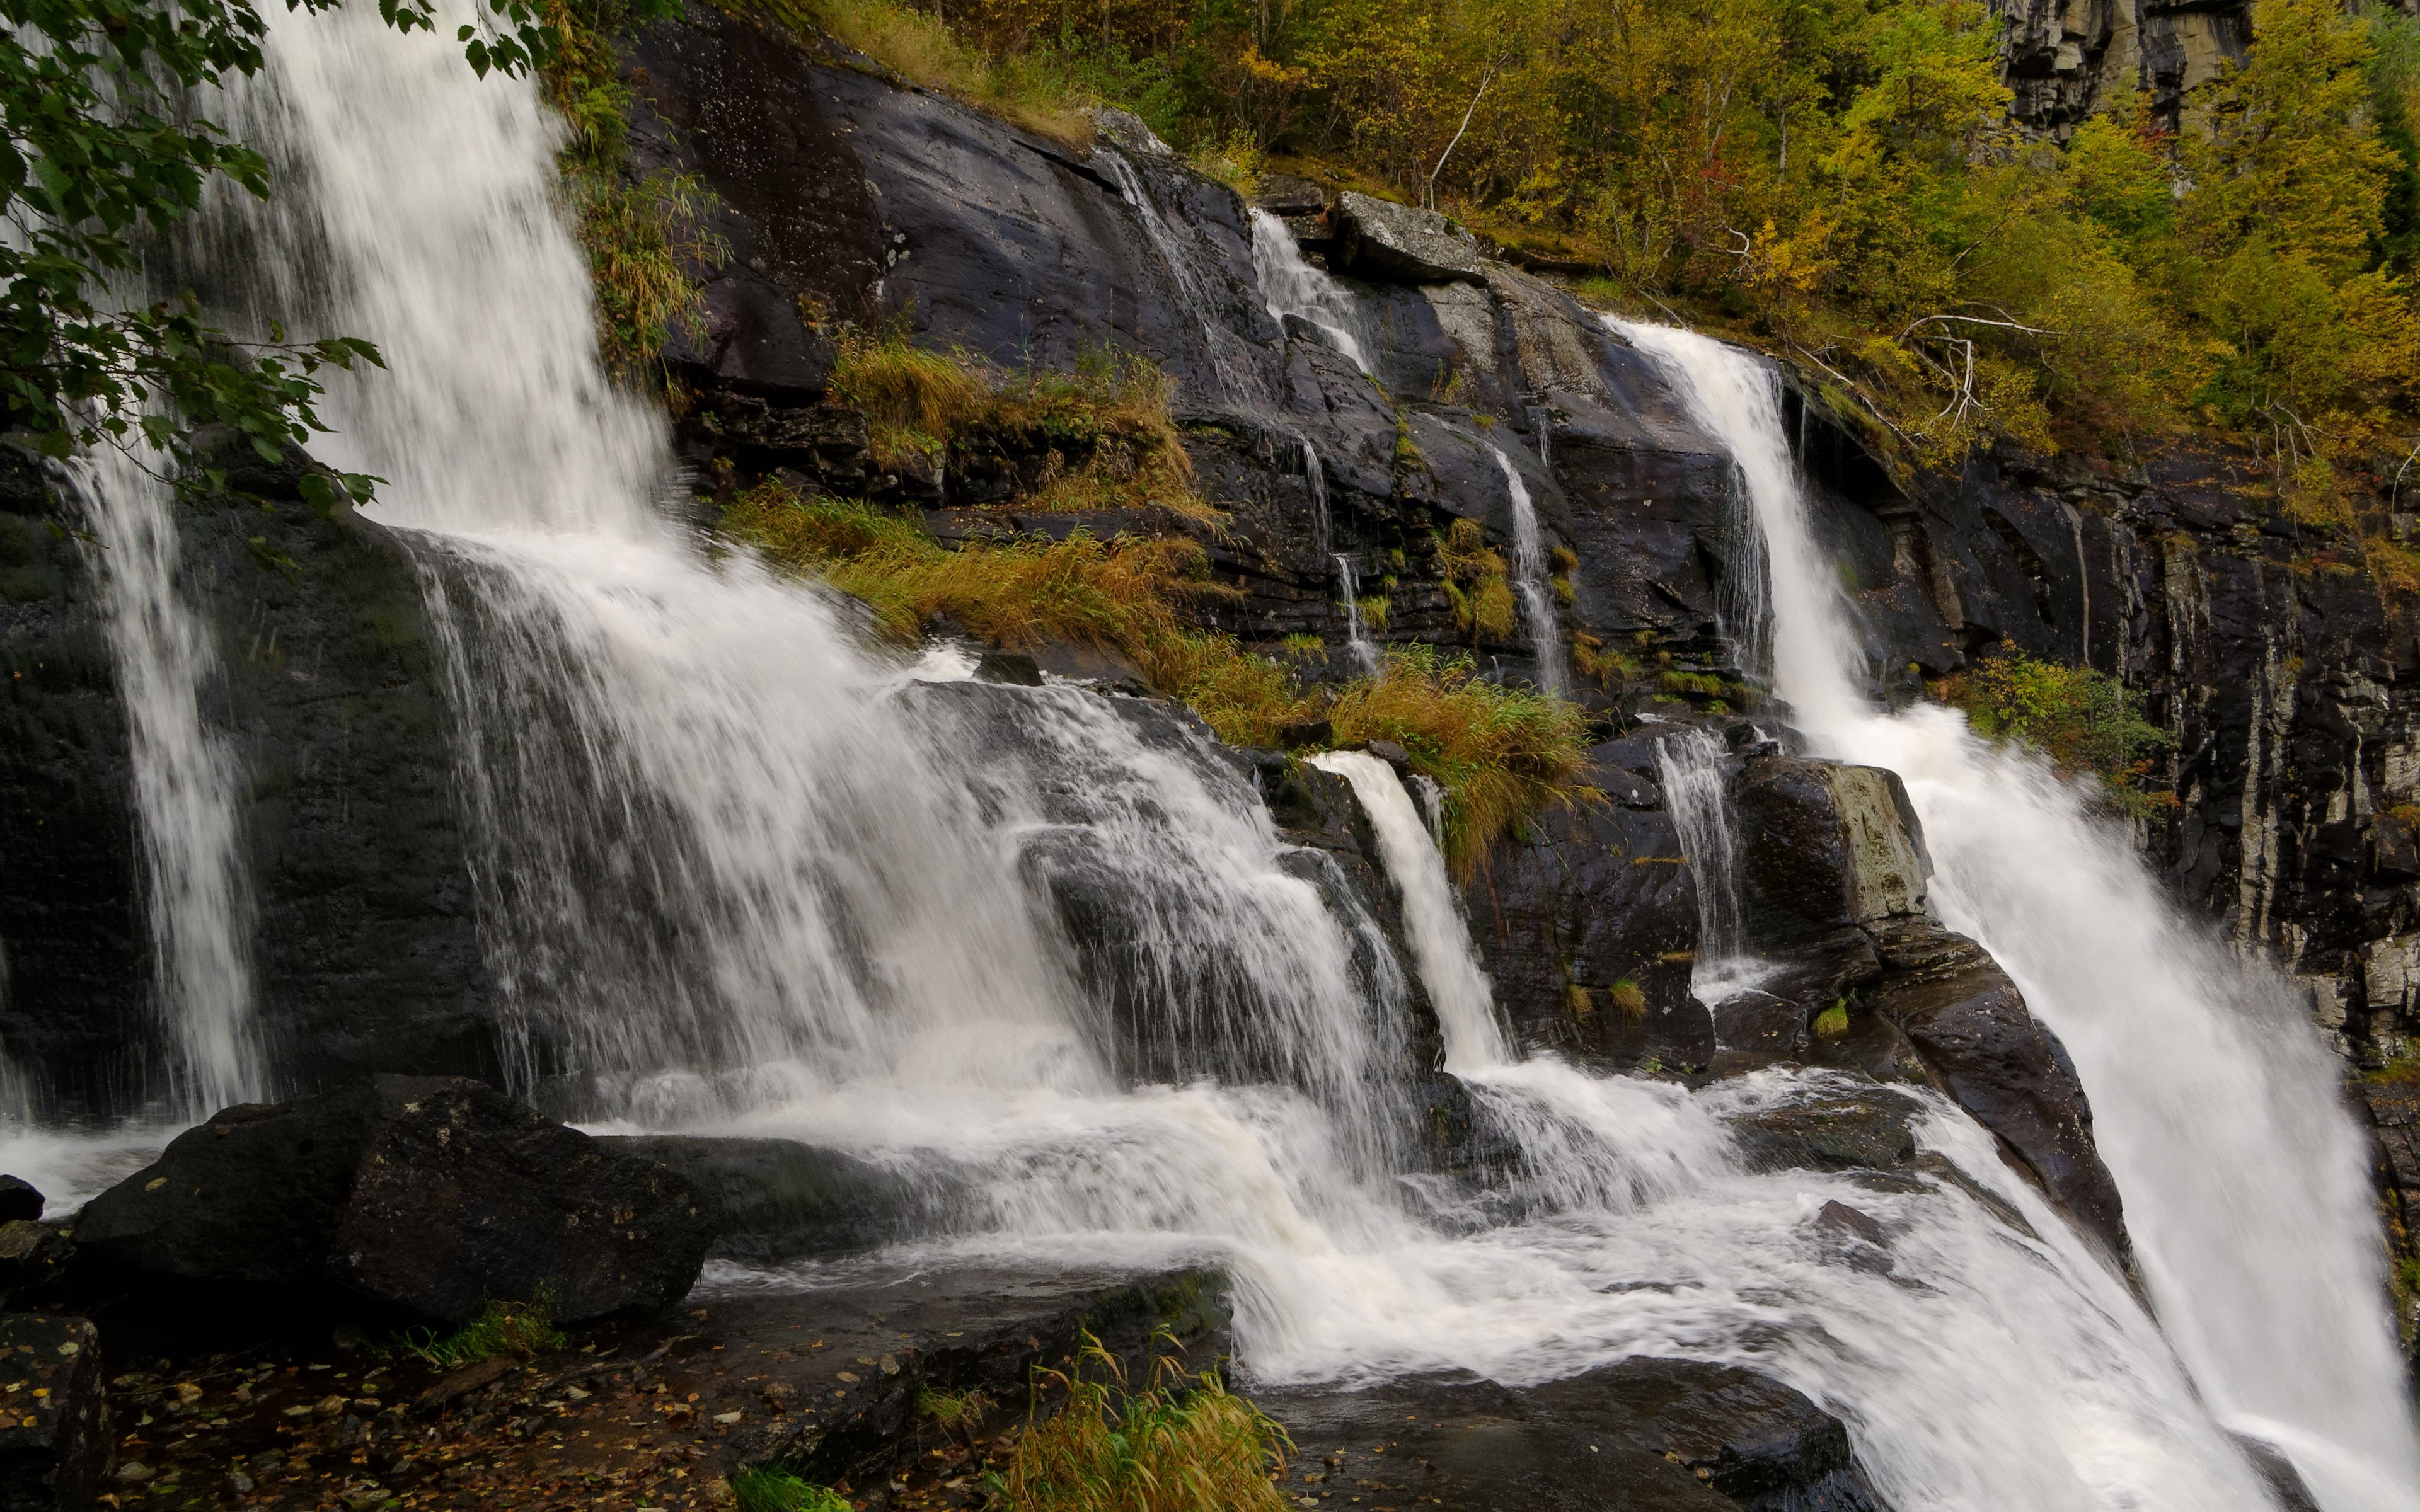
pixel 2085 723
pixel 1839 180
pixel 645 234
pixel 1501 753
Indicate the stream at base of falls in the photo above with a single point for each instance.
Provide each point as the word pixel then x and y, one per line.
pixel 862 877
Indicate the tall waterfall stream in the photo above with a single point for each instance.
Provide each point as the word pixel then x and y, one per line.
pixel 851 870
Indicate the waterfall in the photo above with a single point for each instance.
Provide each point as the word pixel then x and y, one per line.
pixel 1316 475
pixel 1530 580
pixel 1691 763
pixel 1291 286
pixel 1440 942
pixel 1358 643
pixel 186 784
pixel 1234 374
pixel 2215 1104
pixel 1045 947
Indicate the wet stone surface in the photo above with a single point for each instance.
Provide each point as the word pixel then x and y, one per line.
pixel 655 1413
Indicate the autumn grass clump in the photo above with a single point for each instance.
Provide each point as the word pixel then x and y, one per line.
pixel 1030 87
pixel 1120 594
pixel 2084 722
pixel 502 1330
pixel 1105 430
pixel 1478 586
pixel 1501 753
pixel 646 236
pixel 1172 1447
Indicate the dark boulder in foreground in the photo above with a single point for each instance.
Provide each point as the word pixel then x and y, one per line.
pixel 1637 1436
pixel 54 1435
pixel 19 1198
pixel 430 1194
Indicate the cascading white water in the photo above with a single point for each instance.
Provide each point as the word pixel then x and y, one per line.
pixel 1358 643
pixel 742 875
pixel 1291 287
pixel 1315 474
pixel 1690 760
pixel 1530 580
pixel 186 783
pixel 2214 1106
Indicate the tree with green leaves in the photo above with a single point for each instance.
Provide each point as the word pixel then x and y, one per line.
pixel 99 152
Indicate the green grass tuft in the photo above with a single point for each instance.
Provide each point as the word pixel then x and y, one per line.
pixel 502 1330
pixel 1834 1021
pixel 768 1489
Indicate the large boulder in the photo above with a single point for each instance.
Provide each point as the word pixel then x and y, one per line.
pixel 1388 243
pixel 783 1200
pixel 1637 1436
pixel 429 1195
pixel 1969 1024
pixel 54 1438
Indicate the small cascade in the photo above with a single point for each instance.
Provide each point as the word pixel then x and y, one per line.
pixel 1291 286
pixel 1432 924
pixel 186 783
pixel 1358 643
pixel 1529 581
pixel 2214 1103
pixel 1315 473
pixel 1542 424
pixel 1234 375
pixel 1696 796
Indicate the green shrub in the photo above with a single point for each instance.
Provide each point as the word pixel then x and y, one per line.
pixel 2083 721
pixel 1168 1449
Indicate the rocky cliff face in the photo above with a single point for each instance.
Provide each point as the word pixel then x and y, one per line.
pixel 2065 59
pixel 326 684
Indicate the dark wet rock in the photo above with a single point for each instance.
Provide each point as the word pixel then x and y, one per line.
pixel 19 1198
pixel 54 1438
pixel 1969 1024
pixel 1823 849
pixel 2283 1481
pixel 363 948
pixel 1823 846
pixel 1835 1128
pixel 1587 922
pixel 783 1200
pixel 36 1260
pixel 1842 1218
pixel 1380 240
pixel 1015 667
pixel 430 1196
pixel 1638 1436
pixel 958 1331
